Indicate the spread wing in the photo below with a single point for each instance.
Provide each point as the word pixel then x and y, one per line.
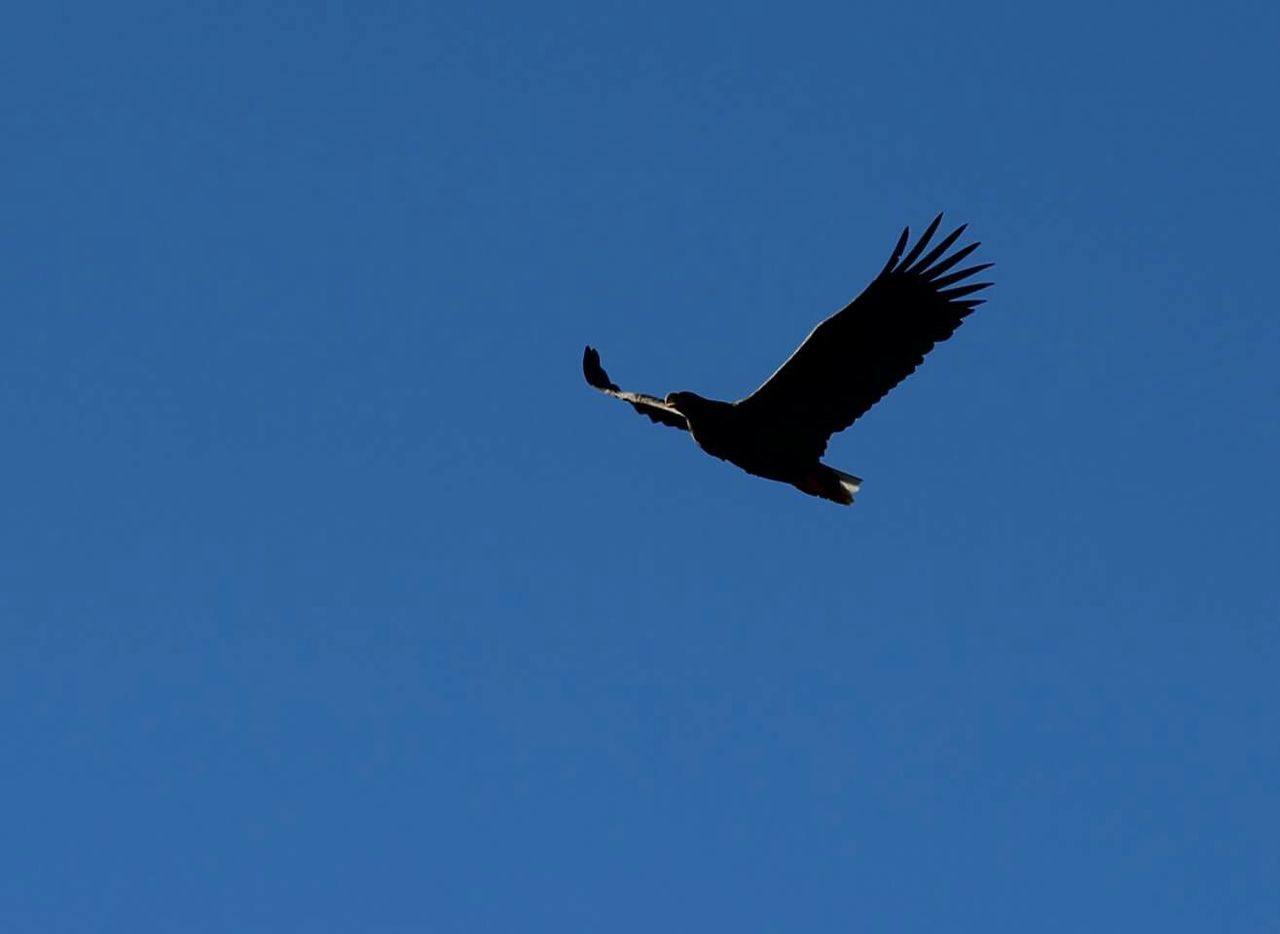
pixel 852 359
pixel 652 406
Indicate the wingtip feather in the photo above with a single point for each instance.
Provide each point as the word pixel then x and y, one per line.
pixel 960 274
pixel 938 269
pixel 897 251
pixel 964 290
pixel 922 267
pixel 922 242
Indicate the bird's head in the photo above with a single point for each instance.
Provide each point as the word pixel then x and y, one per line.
pixel 684 402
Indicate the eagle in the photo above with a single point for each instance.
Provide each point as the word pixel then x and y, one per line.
pixel 845 366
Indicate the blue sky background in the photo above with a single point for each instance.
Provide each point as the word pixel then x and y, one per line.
pixel 332 600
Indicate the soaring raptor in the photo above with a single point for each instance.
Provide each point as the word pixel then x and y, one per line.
pixel 843 368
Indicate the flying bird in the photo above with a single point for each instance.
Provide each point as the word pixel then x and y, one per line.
pixel 845 366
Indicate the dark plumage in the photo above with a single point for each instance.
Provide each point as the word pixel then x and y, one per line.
pixel 844 367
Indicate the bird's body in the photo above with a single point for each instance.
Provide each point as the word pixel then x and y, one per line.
pixel 762 448
pixel 844 367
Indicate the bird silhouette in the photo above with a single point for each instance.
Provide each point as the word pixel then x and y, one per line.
pixel 845 366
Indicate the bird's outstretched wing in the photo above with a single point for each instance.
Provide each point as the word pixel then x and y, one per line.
pixel 652 406
pixel 852 359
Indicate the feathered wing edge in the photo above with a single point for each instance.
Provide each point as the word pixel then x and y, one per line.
pixel 931 267
pixel 651 406
pixel 822 357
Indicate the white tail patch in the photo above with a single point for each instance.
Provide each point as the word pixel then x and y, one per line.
pixel 850 483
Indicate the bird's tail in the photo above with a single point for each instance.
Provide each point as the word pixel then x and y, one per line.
pixel 849 485
pixel 832 484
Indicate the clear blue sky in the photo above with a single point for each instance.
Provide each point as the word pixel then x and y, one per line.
pixel 331 599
